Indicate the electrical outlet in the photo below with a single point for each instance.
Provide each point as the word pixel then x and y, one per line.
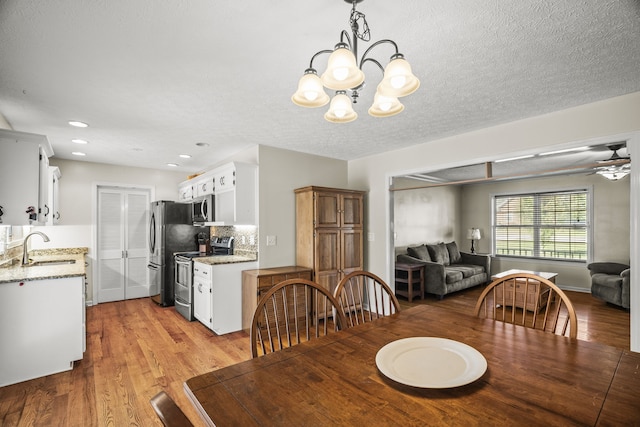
pixel 252 240
pixel 371 237
pixel 271 240
pixel 243 240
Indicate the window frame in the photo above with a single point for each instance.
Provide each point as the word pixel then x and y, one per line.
pixel 588 190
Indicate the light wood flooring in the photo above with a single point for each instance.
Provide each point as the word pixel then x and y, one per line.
pixel 136 348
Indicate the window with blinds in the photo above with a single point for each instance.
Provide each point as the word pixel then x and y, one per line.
pixel 550 225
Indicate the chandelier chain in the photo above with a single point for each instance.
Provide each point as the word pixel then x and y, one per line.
pixel 359 24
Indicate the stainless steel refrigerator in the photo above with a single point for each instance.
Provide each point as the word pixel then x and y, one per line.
pixel 170 231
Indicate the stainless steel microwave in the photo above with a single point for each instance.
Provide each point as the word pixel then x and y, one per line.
pixel 203 209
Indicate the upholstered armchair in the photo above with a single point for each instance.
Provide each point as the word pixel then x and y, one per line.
pixel 610 282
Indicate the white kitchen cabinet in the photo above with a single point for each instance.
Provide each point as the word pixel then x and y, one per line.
pixel 202 294
pixel 235 193
pixel 204 185
pixel 24 175
pixel 53 200
pixel 223 304
pixel 185 191
pixel 41 327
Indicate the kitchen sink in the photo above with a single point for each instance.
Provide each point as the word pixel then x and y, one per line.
pixel 52 262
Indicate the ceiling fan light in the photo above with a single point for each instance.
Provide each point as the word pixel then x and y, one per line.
pixel 615 173
pixel 385 106
pixel 310 92
pixel 341 109
pixel 342 72
pixel 398 78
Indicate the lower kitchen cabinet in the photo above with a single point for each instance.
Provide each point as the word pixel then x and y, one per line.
pixel 217 295
pixel 42 328
pixel 256 282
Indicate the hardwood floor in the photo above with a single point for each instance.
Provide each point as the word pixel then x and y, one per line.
pixel 136 348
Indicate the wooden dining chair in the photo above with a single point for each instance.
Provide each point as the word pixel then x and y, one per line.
pixel 291 312
pixel 168 411
pixel 528 300
pixel 363 297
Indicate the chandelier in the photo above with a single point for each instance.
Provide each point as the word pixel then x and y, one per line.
pixel 344 75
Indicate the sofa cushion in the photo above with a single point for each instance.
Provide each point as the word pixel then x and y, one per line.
pixel 439 253
pixel 454 253
pixel 420 252
pixel 452 275
pixel 467 270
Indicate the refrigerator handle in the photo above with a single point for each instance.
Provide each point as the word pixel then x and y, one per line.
pixel 203 208
pixel 152 233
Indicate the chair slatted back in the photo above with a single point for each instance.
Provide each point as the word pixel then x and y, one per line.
pixel 528 300
pixel 364 297
pixel 291 312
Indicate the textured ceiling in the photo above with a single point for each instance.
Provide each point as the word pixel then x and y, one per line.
pixel 155 77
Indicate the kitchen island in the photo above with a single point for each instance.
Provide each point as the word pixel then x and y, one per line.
pixel 42 314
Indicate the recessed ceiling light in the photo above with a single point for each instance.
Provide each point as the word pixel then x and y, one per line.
pixel 79 141
pixel 185 156
pixel 202 144
pixel 513 158
pixel 78 153
pixel 78 124
pixel 173 165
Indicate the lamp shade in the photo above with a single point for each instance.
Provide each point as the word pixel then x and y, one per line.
pixel 385 106
pixel 398 78
pixel 474 234
pixel 342 71
pixel 615 173
pixel 310 91
pixel 341 109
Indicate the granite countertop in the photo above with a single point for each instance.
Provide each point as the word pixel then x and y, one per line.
pixel 12 271
pixel 225 259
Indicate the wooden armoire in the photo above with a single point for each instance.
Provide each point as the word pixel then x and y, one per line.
pixel 329 232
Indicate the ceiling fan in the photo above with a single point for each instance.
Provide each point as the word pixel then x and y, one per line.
pixel 615 156
pixel 615 171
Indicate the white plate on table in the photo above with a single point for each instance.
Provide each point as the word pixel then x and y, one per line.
pixel 430 362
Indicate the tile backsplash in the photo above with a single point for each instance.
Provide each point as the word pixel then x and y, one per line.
pixel 245 237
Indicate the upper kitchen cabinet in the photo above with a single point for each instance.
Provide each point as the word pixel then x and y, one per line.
pixel 235 193
pixel 204 185
pixel 185 191
pixel 54 200
pixel 24 178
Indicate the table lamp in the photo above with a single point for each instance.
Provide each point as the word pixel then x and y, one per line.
pixel 473 234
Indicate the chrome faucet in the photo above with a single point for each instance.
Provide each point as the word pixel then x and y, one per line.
pixel 25 257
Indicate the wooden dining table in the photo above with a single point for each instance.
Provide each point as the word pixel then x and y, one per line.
pixel 532 378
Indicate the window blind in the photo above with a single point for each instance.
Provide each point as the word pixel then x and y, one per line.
pixel 552 225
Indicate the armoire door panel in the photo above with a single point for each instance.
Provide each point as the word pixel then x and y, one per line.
pixel 327 250
pixel 352 256
pixel 327 210
pixel 352 211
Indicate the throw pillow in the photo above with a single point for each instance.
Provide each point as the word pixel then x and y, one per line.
pixel 439 253
pixel 420 252
pixel 454 253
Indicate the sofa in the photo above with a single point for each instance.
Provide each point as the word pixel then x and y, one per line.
pixel 610 282
pixel 446 269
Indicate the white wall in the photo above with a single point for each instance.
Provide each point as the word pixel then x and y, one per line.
pixel 281 172
pixel 78 178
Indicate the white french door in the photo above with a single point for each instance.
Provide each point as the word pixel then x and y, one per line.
pixel 123 215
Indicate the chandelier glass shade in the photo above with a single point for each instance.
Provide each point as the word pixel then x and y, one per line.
pixel 344 75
